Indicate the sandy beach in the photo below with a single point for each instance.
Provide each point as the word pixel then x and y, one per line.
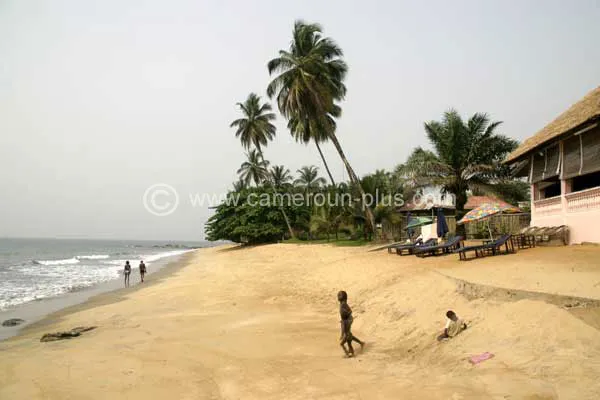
pixel 263 323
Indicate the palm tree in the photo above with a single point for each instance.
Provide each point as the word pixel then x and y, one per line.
pixel 327 219
pixel 304 130
pixel 254 169
pixel 309 82
pixel 281 176
pixel 378 185
pixel 255 129
pixel 239 185
pixel 309 179
pixel 466 156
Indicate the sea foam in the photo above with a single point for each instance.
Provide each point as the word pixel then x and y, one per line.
pixel 66 261
pixel 93 257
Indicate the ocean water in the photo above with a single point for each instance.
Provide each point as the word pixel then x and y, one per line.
pixel 36 269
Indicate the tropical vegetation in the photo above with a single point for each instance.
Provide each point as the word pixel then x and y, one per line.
pixel 308 85
pixel 466 156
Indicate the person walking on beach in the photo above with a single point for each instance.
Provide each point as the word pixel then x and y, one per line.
pixel 126 273
pixel 346 324
pixel 142 270
pixel 454 326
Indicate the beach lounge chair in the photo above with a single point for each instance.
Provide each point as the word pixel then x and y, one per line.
pixel 539 232
pixel 547 234
pixel 488 248
pixel 528 230
pixel 410 249
pixel 525 238
pixel 391 248
pixel 556 233
pixel 447 247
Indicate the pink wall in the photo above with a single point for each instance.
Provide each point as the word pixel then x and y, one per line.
pixel 580 211
pixel 584 226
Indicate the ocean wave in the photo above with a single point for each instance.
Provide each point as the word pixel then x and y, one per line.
pixel 93 257
pixel 156 257
pixel 114 262
pixel 148 258
pixel 41 279
pixel 67 261
pixel 55 281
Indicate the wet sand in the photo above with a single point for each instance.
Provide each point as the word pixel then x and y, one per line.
pixel 45 310
pixel 262 323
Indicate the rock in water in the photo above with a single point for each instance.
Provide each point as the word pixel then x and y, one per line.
pixel 51 337
pixel 13 322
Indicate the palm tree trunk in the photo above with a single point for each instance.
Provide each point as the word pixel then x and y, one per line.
pixel 285 217
pixel 325 163
pixel 356 181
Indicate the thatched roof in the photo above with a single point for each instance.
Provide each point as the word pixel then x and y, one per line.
pixel 578 114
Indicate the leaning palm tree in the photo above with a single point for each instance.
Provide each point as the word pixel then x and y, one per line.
pixel 309 179
pixel 309 82
pixel 255 129
pixel 466 156
pixel 280 176
pixel 305 130
pixel 254 169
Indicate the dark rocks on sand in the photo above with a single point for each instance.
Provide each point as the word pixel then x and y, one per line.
pixel 13 322
pixel 51 337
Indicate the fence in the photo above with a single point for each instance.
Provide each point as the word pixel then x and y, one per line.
pixel 498 224
pixel 397 232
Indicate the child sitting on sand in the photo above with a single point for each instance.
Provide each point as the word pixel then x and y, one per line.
pixel 346 324
pixel 454 326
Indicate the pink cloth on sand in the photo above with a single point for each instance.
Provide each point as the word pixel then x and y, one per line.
pixel 481 357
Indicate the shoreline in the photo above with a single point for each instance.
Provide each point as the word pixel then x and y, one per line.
pixel 50 310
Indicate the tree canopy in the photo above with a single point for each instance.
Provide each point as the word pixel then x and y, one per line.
pixel 466 156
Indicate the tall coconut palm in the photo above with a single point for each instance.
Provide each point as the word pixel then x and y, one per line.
pixel 281 176
pixel 310 80
pixel 305 130
pixel 255 129
pixel 309 178
pixel 254 169
pixel 466 156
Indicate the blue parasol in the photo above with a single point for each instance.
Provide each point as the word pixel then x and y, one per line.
pixel 442 225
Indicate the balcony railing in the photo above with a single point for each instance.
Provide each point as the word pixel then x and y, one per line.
pixel 583 200
pixel 551 205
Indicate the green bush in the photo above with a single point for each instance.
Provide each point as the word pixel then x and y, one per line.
pixel 241 221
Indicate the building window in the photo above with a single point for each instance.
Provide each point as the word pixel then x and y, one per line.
pixel 586 181
pixel 548 188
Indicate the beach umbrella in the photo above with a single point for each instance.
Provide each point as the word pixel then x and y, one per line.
pixel 487 210
pixel 442 225
pixel 418 221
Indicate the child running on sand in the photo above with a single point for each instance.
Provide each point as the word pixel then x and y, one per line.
pixel 346 325
pixel 454 326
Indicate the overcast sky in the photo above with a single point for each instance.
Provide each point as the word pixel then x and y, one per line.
pixel 99 100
